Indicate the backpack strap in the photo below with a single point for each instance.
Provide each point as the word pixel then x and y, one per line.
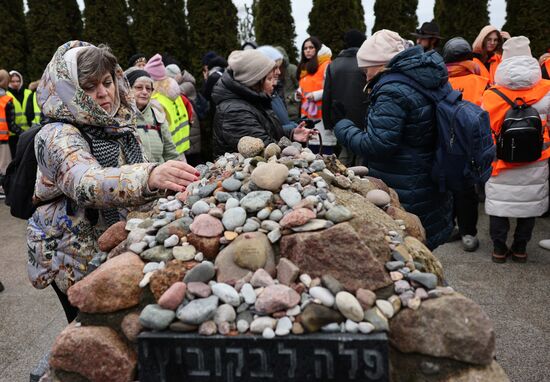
pixel 504 97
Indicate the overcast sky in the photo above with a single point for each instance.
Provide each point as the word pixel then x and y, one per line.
pixel 301 8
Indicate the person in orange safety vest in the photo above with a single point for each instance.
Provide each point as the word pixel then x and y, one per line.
pixel 517 190
pixel 487 47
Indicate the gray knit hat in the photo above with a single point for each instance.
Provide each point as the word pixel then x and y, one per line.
pixel 250 66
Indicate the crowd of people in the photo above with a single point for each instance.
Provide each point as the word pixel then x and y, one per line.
pixel 113 140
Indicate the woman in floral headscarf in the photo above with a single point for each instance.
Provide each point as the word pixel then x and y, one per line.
pixel 90 166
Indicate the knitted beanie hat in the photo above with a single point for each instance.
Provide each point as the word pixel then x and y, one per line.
pixel 270 52
pixel 380 48
pixel 155 67
pixel 173 71
pixel 250 66
pixel 133 76
pixel 516 46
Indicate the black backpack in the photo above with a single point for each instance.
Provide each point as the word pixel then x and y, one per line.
pixel 20 177
pixel 521 134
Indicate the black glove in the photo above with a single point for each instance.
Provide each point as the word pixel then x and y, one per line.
pixel 338 111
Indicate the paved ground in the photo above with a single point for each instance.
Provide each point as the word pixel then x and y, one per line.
pixel 514 295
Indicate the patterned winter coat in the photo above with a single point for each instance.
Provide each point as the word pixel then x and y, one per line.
pixel 61 245
pixel 399 141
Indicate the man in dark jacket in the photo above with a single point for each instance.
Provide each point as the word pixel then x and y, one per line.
pixel 345 84
pixel 400 138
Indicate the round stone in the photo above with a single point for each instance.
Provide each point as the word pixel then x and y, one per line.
pixel 256 200
pixel 250 147
pixel 338 214
pixel 225 313
pixel 226 293
pixel 268 333
pixel 231 203
pixel 231 184
pixel 200 207
pixel 233 218
pixel 206 226
pixel 184 253
pixel 379 198
pixel 270 176
pixel 291 196
pixel 348 305
pixel 323 294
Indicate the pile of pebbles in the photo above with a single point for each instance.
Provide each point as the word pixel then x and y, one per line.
pixel 276 190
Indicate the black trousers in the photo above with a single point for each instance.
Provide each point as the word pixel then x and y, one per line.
pixel 499 227
pixel 70 311
pixel 465 211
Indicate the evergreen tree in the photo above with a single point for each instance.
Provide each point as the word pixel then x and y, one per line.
pixel 274 25
pixel 167 19
pixel 13 48
pixel 211 28
pixel 48 30
pixel 106 22
pixel 329 20
pixel 396 15
pixel 529 18
pixel 463 18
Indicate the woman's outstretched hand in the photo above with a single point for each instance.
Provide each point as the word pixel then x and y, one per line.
pixel 172 175
pixel 301 134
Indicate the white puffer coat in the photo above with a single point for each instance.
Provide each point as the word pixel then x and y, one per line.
pixel 523 191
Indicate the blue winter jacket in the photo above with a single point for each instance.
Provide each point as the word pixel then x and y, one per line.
pixel 399 140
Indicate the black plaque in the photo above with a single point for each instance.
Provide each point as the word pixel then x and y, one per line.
pixel 166 357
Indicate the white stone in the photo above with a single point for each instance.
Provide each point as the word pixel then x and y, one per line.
pixel 231 203
pixel 365 327
pixel 260 323
pixel 351 326
pixel 274 235
pixel 133 224
pixel 242 326
pixel 248 293
pixel 305 279
pixel 268 333
pixel 199 256
pixel 386 308
pixel 349 306
pixel 145 280
pixel 294 311
pixel 172 241
pixel 291 196
pixel 323 294
pixel 150 267
pixel 138 247
pixel 283 325
pixel 226 293
pixel 331 328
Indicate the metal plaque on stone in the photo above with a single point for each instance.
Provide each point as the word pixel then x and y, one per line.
pixel 169 356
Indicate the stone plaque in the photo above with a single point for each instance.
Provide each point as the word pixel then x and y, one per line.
pixel 167 356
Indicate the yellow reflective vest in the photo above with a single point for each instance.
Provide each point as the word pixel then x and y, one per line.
pixel 20 118
pixel 36 109
pixel 179 121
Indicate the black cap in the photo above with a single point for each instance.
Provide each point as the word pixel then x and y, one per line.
pixel 135 74
pixel 457 49
pixel 134 58
pixel 428 30
pixel 354 39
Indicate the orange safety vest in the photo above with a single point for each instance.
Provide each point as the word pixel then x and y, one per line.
pixel 497 108
pixel 471 86
pixel 495 61
pixel 547 65
pixel 310 83
pixel 4 131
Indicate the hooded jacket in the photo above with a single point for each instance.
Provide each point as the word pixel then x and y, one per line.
pixel 241 111
pixel 520 191
pixel 399 141
pixel 157 144
pixel 488 68
pixel 62 245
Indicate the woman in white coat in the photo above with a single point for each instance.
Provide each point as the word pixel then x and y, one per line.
pixel 516 190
